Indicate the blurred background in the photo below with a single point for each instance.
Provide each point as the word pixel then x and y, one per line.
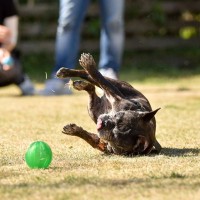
pixel 162 37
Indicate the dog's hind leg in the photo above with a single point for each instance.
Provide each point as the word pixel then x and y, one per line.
pixel 69 73
pixel 91 138
pixel 88 63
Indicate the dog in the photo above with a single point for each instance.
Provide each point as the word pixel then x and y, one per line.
pixel 124 118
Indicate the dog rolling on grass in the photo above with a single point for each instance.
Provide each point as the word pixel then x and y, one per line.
pixel 125 121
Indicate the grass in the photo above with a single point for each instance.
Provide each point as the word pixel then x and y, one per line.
pixel 80 172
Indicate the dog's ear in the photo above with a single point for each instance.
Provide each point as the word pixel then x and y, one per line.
pixel 141 144
pixel 148 116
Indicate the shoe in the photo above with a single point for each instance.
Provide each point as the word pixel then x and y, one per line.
pixel 54 87
pixel 27 87
pixel 109 72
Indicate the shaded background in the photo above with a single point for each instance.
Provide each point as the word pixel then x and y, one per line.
pixel 162 37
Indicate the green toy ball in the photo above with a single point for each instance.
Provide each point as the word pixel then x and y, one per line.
pixel 38 155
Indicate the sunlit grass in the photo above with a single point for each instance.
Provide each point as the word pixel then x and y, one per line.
pixel 80 172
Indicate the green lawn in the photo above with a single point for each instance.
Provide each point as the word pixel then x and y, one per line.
pixel 80 172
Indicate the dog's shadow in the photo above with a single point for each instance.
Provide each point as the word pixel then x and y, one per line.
pixel 177 152
pixel 171 152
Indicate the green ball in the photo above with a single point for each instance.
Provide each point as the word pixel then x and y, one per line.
pixel 38 155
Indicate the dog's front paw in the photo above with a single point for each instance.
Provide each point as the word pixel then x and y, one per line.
pixel 82 85
pixel 86 60
pixel 63 73
pixel 79 85
pixel 72 129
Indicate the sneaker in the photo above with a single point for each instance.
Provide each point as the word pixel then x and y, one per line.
pixel 54 87
pixel 109 72
pixel 27 87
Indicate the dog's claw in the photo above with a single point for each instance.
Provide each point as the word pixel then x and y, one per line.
pixel 62 73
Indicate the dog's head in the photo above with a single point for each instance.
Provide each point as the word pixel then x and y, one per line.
pixel 127 130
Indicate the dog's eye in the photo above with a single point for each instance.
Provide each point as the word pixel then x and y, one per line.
pixel 120 124
pixel 122 127
pixel 137 104
pixel 118 116
pixel 119 121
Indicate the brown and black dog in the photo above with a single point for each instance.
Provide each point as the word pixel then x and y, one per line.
pixel 125 121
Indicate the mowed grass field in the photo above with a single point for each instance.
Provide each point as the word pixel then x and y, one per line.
pixel 78 171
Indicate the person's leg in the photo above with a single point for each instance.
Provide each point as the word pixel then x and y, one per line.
pixel 112 34
pixel 26 86
pixel 71 15
pixel 23 81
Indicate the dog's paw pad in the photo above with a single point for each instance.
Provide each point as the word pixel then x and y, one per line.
pixel 86 60
pixel 71 129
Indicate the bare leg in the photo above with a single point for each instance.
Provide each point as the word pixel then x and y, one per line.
pixel 91 138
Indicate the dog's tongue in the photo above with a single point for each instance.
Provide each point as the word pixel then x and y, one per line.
pixel 99 124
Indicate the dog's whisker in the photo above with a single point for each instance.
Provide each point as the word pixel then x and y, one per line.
pixel 69 84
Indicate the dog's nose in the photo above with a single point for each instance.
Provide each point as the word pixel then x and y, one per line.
pixel 105 124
